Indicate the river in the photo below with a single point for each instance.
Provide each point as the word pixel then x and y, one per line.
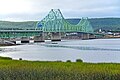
pixel 93 51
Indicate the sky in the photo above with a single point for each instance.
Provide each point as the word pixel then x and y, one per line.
pixel 30 10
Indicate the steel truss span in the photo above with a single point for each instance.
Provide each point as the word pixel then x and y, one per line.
pixel 55 22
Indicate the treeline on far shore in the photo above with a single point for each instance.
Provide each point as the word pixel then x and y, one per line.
pixel 97 23
pixel 57 70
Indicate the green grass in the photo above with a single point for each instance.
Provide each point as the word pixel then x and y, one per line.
pixel 35 70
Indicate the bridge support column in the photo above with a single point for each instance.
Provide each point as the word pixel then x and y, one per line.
pixel 39 38
pixel 17 41
pixel 85 36
pixel 55 36
pixel 47 35
pixel 91 36
pixel 25 40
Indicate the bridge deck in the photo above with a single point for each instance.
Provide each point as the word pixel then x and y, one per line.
pixel 21 31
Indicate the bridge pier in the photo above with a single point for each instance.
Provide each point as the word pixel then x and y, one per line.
pixel 87 36
pixel 21 40
pixel 55 36
pixel 84 36
pixel 47 35
pixel 39 38
pixel 91 36
pixel 25 40
pixel 16 40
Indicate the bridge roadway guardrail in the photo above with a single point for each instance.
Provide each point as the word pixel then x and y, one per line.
pixel 19 33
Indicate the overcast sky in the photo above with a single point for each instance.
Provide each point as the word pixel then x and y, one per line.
pixel 29 10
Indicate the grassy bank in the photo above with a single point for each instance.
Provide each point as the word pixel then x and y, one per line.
pixel 5 58
pixel 35 70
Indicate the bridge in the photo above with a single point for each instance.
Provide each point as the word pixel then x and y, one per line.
pixel 23 36
pixel 55 22
pixel 54 26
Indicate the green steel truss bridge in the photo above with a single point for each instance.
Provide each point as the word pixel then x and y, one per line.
pixel 55 22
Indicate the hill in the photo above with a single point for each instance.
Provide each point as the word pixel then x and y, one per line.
pixel 17 25
pixel 97 23
pixel 101 23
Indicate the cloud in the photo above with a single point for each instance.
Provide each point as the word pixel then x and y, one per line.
pixel 38 9
pixel 14 6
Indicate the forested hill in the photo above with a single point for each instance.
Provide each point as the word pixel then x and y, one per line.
pixel 97 23
pixel 101 23
pixel 17 25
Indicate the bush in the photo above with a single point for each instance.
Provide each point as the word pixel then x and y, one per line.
pixel 79 60
pixel 58 61
pixel 68 61
pixel 20 58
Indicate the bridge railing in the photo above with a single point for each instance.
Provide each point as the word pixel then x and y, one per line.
pixel 19 33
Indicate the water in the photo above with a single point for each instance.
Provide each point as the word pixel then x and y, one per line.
pixel 94 51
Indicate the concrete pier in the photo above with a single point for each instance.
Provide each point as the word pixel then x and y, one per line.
pixel 25 40
pixel 55 36
pixel 91 36
pixel 85 36
pixel 39 38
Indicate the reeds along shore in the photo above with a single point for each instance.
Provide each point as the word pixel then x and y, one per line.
pixel 38 70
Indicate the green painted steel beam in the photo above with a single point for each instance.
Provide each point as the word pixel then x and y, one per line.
pixel 19 33
pixel 55 22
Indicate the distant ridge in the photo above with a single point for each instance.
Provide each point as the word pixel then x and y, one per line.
pixel 101 23
pixel 97 23
pixel 17 25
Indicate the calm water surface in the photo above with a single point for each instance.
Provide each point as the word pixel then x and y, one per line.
pixel 94 51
